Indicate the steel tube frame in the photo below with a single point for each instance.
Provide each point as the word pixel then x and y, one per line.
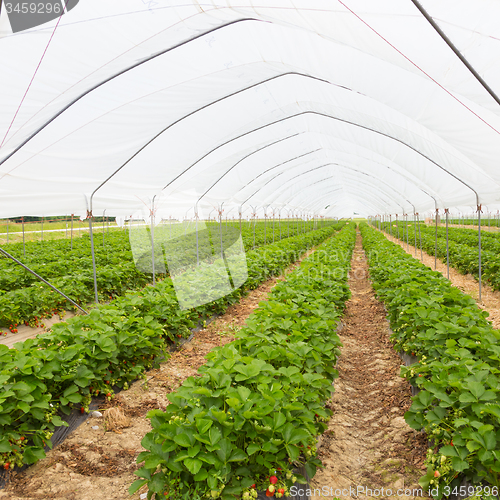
pixel 8 255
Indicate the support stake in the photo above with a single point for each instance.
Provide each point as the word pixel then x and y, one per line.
pixel 479 245
pixel 446 211
pixel 436 241
pixel 89 216
pixel 41 279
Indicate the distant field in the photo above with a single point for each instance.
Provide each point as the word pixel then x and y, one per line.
pixel 13 232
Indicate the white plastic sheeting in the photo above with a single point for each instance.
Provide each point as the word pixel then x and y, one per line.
pixel 289 106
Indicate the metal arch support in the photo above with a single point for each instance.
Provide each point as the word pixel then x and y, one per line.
pixel 126 70
pixel 270 124
pixel 446 212
pixel 479 247
pixel 436 239
pixel 456 51
pixel 8 255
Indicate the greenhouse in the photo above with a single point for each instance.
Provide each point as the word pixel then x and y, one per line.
pixel 249 250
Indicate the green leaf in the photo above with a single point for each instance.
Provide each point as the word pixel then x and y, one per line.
pixel 237 456
pixel 458 464
pixel 298 435
pixel 33 454
pixel 4 445
pixel 279 420
pixel 490 440
pixel 449 451
pixel 252 448
pixel 193 465
pixel 152 461
pixel 477 389
pixel 184 440
pixel 310 469
pixel 58 421
pixel 244 392
pixel 136 485
pixel 466 397
pixel 194 450
pixel 214 435
pixel 201 475
pixel 225 450
pixel 203 424
pixel 70 390
pixel 23 406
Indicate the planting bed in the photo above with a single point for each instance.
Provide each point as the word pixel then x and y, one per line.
pixel 368 443
pixel 112 346
pixel 458 369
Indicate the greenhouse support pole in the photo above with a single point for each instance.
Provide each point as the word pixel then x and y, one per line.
pixel 254 224
pixel 446 211
pixel 24 242
pixel 265 229
pixel 288 224
pixel 279 222
pixel 42 227
pixel 220 232
pixel 273 226
pixel 66 222
pixel 72 215
pixel 436 240
pixel 397 225
pixel 41 279
pixel 479 245
pixel 390 224
pixel 415 231
pixel 103 225
pixel 406 224
pixel 420 239
pixel 89 216
pixel 7 230
pixel 153 243
pixel 241 234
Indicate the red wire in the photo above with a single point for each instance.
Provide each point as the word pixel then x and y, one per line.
pixel 416 66
pixel 34 74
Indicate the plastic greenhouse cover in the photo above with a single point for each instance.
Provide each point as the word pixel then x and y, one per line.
pixel 303 107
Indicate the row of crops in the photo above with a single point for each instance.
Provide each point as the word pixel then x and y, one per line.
pixel 486 220
pixel 113 345
pixel 458 369
pixel 257 407
pixel 463 248
pixel 25 299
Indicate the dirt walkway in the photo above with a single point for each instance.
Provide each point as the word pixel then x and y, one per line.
pixel 368 443
pixel 490 299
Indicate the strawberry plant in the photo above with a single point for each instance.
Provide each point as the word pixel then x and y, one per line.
pixel 44 378
pixel 258 404
pixel 458 368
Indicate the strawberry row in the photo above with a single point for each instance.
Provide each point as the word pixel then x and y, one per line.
pixel 458 370
pixel 113 345
pixel 24 299
pixel 462 248
pixel 254 411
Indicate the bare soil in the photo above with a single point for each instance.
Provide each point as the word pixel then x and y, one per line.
pixel 490 299
pixel 368 443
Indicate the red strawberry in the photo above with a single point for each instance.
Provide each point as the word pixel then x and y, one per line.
pixel 273 479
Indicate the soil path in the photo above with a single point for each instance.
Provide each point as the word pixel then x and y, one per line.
pixel 368 443
pixel 490 299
